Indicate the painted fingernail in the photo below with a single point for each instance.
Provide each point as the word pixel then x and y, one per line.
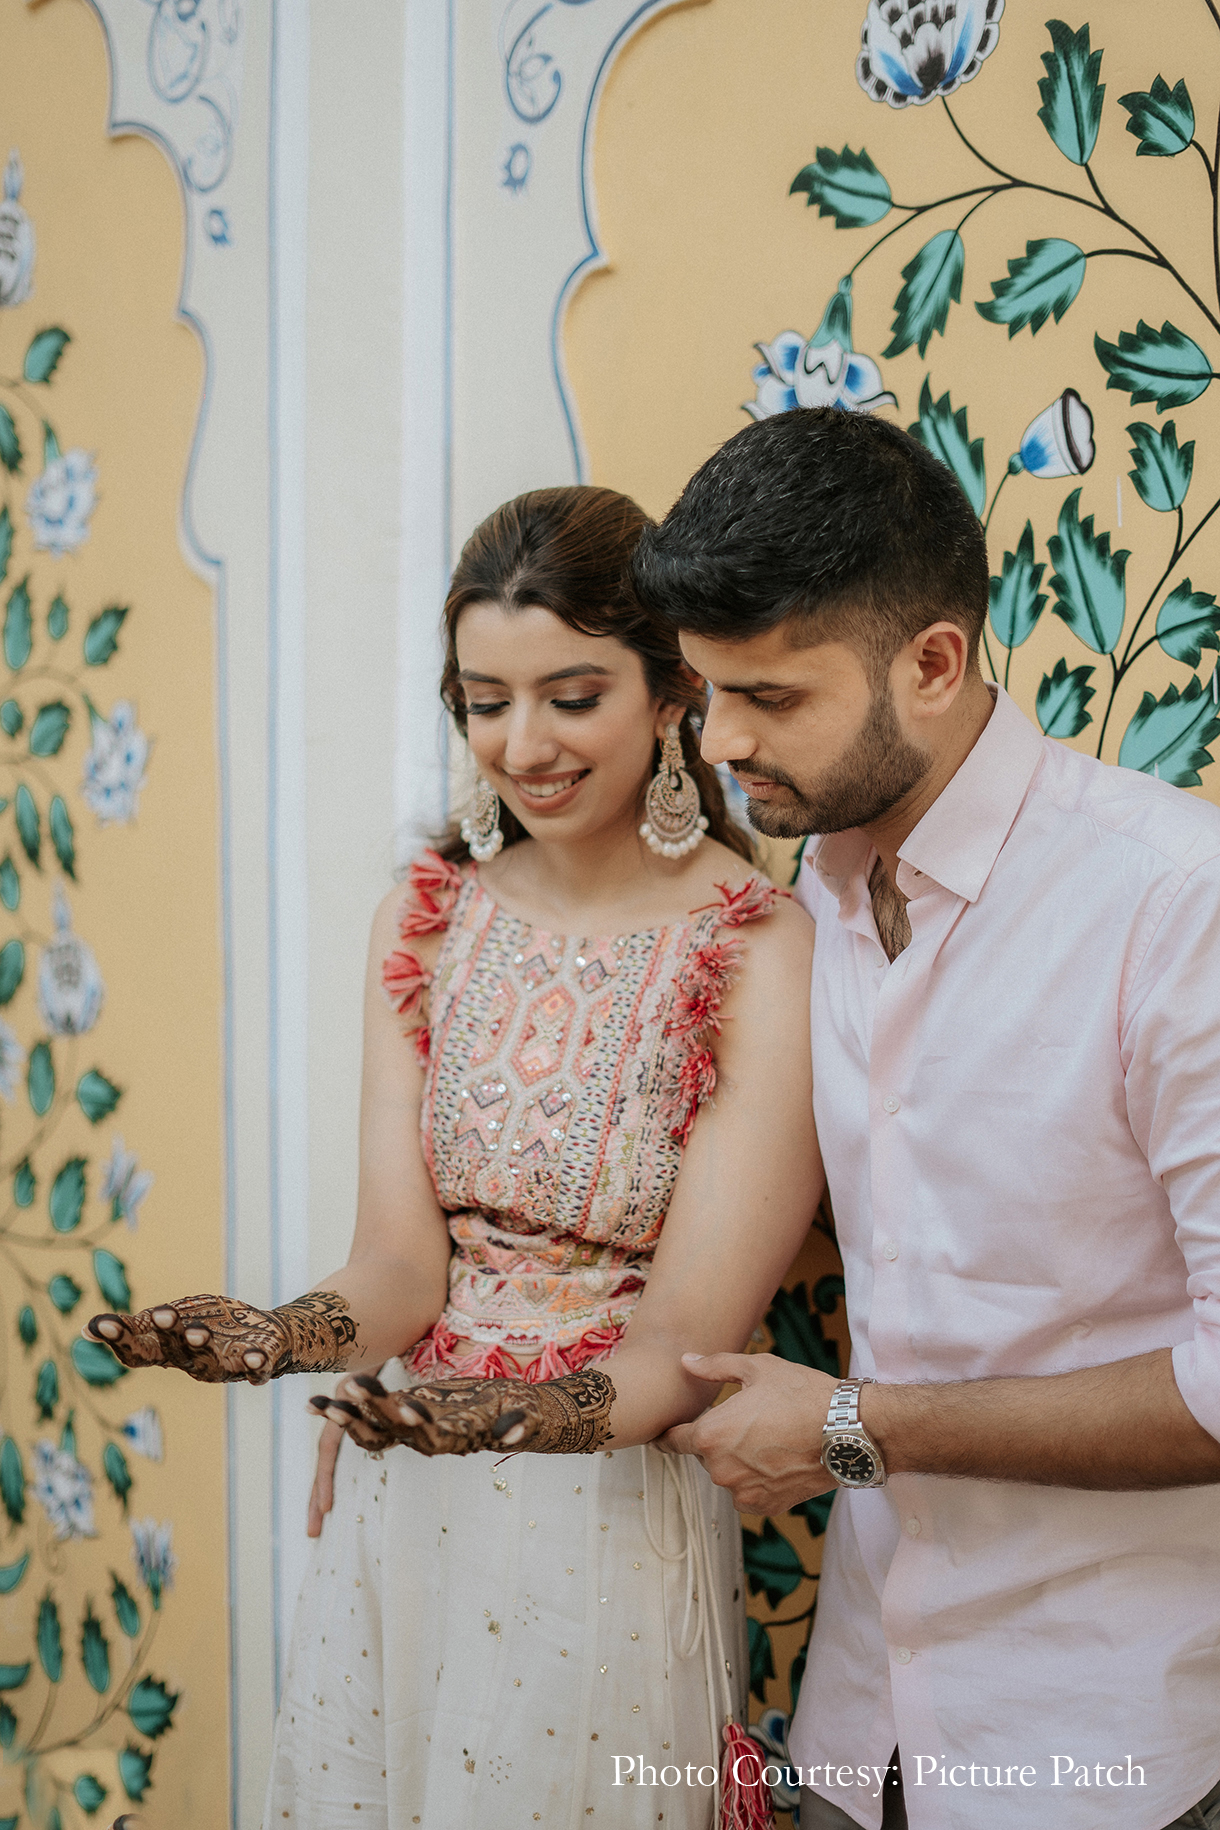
pixel 414 1412
pixel 369 1384
pixel 165 1318
pixel 506 1427
pixel 345 1410
pixel 197 1337
pixel 319 1404
pixel 252 1358
pixel 107 1327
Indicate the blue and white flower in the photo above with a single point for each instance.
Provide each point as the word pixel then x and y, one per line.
pixel 771 1733
pixel 70 988
pixel 915 50
pixel 153 1555
pixel 63 1488
pixel 819 371
pixel 115 765
pixel 12 1060
pixel 16 238
pixel 61 501
pixel 143 1431
pixel 1059 442
pixel 124 1184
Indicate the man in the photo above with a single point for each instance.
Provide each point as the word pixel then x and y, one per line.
pixel 1016 1046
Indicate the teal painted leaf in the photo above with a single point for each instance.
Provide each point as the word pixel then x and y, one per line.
pixel 95 1363
pixel 18 626
pixel 68 1195
pixel 826 1293
pixel 46 1392
pixel 796 1332
pixel 1187 623
pixel 1041 282
pixel 1062 697
pixel 10 444
pixel 89 1793
pixel 49 729
pixel 1162 471
pixel 947 436
pixel 57 619
pixel 111 1276
pixel 40 1078
pixel 42 357
pixel 50 444
pixel 11 718
pixel 64 1292
pixel 126 1610
pixel 67 1436
pixel 102 636
pixel 12 1677
pixel 95 1654
pixel 151 1707
pixel 117 1472
pixel 12 963
pixel 29 825
pixel 1091 585
pixel 54 1819
pixel 12 1485
pixel 1163 365
pixel 27 1325
pixel 8 1731
pixel 1170 737
pixel 1162 119
pixel 134 1768
pixel 845 185
pixel 933 280
pixel 10 890
pixel 796 1672
pixel 762 1663
pixel 63 834
pixel 1071 94
pixel 50 1639
pixel 771 1563
pixel 25 1184
pixel 6 540
pixel 97 1096
pixel 1015 601
pixel 12 1573
pixel 815 1512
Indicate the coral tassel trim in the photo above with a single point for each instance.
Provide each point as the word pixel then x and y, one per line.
pixel 437 1353
pixel 745 1800
pixel 433 887
pixel 695 1017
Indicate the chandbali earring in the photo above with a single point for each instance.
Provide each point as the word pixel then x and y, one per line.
pixel 481 829
pixel 675 823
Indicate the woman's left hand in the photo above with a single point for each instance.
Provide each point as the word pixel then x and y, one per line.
pixel 563 1416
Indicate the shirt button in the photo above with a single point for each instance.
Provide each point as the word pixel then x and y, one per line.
pixel 913 1528
pixel 890 1103
pixel 890 1250
pixel 902 1654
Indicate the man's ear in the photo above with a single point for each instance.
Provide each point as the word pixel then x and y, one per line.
pixel 934 666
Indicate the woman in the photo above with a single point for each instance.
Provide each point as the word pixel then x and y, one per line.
pixel 553 1208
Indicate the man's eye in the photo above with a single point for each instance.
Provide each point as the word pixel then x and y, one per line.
pixel 765 705
pixel 482 708
pixel 577 705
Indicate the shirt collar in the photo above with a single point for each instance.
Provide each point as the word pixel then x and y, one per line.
pixel 960 837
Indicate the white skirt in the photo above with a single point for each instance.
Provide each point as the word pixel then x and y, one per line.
pixel 478 1638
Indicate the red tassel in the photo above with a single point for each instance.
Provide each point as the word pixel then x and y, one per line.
pixel 745 1801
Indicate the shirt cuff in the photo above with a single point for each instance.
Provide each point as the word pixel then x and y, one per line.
pixel 1196 1367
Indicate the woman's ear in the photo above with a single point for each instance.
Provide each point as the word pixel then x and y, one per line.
pixel 675 712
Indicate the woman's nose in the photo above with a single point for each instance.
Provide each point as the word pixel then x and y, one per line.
pixel 528 745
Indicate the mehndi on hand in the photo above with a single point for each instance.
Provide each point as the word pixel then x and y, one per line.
pixel 565 1416
pixel 219 1338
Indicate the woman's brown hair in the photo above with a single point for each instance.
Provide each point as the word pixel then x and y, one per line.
pixel 569 550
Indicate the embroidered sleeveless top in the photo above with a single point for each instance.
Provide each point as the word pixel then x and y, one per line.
pixel 563 1078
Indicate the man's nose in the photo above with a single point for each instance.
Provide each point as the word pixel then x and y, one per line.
pixel 725 736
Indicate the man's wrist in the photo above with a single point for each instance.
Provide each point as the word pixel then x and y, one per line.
pixel 878 1414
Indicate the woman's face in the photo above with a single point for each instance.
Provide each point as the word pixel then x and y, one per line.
pixel 561 724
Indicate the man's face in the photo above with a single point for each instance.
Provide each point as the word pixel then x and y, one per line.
pixel 815 747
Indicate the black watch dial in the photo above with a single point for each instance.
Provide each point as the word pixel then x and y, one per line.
pixel 850 1461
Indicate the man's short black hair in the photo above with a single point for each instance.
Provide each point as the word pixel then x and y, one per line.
pixel 839 521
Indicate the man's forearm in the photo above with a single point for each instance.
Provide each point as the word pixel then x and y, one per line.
pixel 1118 1427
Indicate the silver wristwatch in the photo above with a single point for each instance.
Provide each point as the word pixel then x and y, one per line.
pixel 848 1451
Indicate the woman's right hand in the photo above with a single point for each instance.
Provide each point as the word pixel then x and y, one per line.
pixel 322 1496
pixel 219 1338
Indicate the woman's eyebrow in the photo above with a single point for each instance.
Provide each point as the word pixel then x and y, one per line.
pixel 563 673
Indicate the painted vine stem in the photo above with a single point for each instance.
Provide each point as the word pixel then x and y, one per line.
pixel 54 1237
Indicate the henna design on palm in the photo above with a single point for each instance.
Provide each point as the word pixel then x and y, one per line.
pixel 566 1416
pixel 218 1339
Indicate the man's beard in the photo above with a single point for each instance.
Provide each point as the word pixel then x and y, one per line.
pixel 876 771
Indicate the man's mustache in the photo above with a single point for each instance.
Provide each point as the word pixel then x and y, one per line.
pixel 755 773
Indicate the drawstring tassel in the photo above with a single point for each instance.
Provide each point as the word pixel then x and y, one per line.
pixel 745 1801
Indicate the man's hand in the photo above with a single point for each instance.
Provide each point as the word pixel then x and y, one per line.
pixel 764 1442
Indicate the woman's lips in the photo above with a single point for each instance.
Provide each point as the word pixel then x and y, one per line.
pixel 548 793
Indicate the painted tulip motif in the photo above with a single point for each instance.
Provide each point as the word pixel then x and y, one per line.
pixel 16 238
pixel 153 1555
pixel 1059 442
pixel 63 1488
pixel 12 1060
pixel 70 988
pixel 115 765
pixel 143 1431
pixel 916 50
pixel 61 501
pixel 819 371
pixel 124 1184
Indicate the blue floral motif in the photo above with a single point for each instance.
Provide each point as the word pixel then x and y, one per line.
pixel 153 1555
pixel 819 371
pixel 12 1060
pixel 1059 442
pixel 70 988
pixel 771 1733
pixel 61 501
pixel 124 1184
pixel 16 239
pixel 916 50
pixel 63 1488
pixel 115 765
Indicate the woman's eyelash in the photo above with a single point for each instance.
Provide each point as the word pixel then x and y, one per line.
pixel 485 708
pixel 479 708
pixel 577 705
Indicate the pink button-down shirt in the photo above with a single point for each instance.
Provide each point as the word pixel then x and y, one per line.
pixel 1021 1124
